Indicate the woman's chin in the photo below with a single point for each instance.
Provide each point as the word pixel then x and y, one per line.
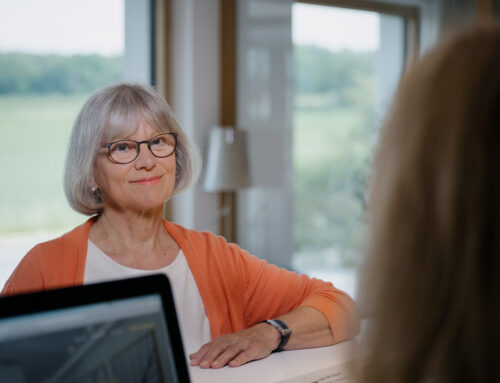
pixel 138 204
pixel 154 206
pixel 143 207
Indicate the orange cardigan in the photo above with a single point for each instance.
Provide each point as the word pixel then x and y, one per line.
pixel 237 289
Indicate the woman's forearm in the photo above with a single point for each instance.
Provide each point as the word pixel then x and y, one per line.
pixel 309 326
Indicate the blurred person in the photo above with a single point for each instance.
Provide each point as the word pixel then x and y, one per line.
pixel 434 265
pixel 127 156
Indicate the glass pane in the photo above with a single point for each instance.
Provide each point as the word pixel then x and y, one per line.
pixel 53 54
pixel 337 56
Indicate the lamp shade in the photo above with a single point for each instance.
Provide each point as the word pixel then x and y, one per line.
pixel 227 162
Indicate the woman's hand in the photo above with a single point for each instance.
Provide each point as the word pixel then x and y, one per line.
pixel 309 326
pixel 235 349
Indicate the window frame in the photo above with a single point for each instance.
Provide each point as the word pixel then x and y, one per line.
pixel 410 13
pixel 228 69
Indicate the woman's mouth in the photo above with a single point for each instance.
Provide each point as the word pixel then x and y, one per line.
pixel 147 181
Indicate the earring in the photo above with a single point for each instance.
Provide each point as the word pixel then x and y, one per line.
pixel 96 194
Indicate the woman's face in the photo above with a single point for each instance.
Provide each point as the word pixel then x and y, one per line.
pixel 142 185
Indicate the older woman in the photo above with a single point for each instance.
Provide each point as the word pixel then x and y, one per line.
pixel 127 155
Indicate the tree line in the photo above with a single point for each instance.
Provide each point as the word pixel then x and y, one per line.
pixel 344 76
pixel 23 73
pixel 317 70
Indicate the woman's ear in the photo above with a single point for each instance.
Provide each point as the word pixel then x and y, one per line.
pixel 93 183
pixel 92 178
pixel 96 192
pixel 94 186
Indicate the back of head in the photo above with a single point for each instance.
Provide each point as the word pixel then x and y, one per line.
pixel 434 262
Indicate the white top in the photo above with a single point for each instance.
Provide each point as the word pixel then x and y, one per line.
pixel 193 321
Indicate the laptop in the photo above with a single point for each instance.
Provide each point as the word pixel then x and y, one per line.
pixel 123 331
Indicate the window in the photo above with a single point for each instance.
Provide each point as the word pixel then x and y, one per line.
pixel 314 82
pixel 53 55
pixel 334 125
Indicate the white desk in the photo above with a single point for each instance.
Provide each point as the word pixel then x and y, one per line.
pixel 324 365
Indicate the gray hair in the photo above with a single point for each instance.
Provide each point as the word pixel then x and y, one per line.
pixel 110 113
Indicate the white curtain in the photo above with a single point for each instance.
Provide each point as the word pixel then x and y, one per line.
pixel 265 101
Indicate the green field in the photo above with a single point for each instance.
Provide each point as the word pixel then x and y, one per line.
pixel 35 131
pixel 332 152
pixel 333 134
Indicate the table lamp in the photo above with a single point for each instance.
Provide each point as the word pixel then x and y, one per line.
pixel 227 170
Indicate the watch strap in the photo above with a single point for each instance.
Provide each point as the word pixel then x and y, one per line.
pixel 283 329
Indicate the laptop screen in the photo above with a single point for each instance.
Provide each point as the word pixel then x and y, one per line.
pixel 119 340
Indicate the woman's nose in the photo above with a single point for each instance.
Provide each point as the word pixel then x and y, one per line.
pixel 145 159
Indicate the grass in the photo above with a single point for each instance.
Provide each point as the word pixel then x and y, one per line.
pixel 35 131
pixel 331 153
pixel 327 135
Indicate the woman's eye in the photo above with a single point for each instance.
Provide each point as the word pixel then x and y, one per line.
pixel 160 141
pixel 121 147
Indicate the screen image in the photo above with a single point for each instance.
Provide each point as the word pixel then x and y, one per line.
pixel 124 340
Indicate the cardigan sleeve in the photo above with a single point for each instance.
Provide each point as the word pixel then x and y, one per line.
pixel 27 276
pixel 272 291
pixel 52 264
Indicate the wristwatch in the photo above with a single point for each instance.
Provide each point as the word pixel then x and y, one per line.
pixel 283 329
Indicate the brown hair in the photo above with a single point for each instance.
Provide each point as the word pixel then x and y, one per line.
pixel 434 260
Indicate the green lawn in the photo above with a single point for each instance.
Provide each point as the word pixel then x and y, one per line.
pixel 35 131
pixel 332 151
pixel 329 134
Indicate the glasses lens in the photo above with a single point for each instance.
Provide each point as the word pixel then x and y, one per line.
pixel 123 151
pixel 162 145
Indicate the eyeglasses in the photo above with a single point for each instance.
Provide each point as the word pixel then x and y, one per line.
pixel 126 151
